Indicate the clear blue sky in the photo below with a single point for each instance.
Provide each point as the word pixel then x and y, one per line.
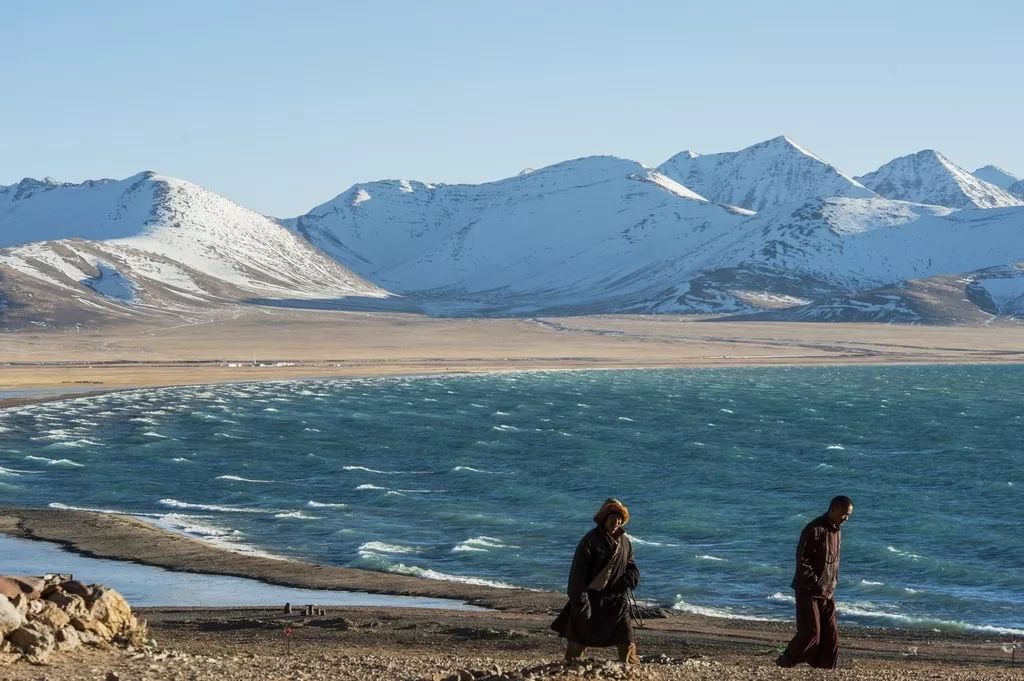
pixel 281 106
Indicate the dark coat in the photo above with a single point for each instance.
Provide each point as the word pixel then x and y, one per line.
pixel 817 559
pixel 609 623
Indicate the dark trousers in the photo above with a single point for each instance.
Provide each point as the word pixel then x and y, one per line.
pixel 817 634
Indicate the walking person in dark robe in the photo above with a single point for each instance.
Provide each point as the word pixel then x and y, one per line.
pixel 602 572
pixel 817 573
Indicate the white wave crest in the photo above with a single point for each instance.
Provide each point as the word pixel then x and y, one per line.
pixel 75 444
pixel 379 472
pixel 66 507
pixel 426 573
pixel 297 515
pixel 470 469
pixel 779 597
pixel 720 613
pixel 647 542
pixel 241 479
pixel 708 556
pixel 371 487
pixel 481 544
pixel 903 554
pixel 174 503
pixel 324 504
pixel 63 463
pixel 371 547
pixel 869 610
pixel 836 447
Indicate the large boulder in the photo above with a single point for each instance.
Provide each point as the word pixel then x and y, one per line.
pixel 10 617
pixel 111 609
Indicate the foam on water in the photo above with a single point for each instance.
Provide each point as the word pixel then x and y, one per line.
pixel 174 503
pixel 64 463
pixel 238 478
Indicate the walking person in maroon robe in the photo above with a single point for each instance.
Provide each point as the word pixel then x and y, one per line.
pixel 817 573
pixel 602 571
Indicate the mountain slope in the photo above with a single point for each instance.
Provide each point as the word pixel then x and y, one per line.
pixel 1016 190
pixel 584 234
pixel 774 172
pixel 929 177
pixel 157 241
pixel 995 175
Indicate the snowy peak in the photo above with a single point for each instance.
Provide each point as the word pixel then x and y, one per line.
pixel 929 177
pixel 149 238
pixel 996 175
pixel 770 173
pixel 377 227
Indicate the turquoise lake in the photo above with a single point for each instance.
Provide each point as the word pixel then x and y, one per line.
pixel 495 478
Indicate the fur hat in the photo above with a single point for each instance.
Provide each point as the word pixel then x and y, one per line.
pixel 611 505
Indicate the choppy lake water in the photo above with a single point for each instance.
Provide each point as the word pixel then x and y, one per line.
pixel 495 478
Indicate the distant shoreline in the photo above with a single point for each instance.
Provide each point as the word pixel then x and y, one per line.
pixel 295 344
pixel 47 393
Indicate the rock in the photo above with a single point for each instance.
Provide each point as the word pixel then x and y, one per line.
pixel 67 638
pixel 20 603
pixel 33 639
pixel 9 588
pixel 10 617
pixel 30 586
pixel 89 638
pixel 76 588
pixel 73 605
pixel 93 627
pixel 111 609
pixel 52 616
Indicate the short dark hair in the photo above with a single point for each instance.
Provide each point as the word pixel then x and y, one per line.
pixel 842 501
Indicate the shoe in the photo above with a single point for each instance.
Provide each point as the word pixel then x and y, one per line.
pixel 784 661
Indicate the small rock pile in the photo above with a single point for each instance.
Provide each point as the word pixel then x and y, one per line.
pixel 41 615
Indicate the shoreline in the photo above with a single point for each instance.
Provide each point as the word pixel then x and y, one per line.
pixel 295 344
pixel 47 394
pixel 129 539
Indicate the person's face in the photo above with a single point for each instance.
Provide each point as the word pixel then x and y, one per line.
pixel 840 514
pixel 612 522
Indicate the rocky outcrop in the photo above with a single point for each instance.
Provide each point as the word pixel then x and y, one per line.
pixel 42 616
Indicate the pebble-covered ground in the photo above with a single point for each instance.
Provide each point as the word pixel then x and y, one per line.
pixel 364 644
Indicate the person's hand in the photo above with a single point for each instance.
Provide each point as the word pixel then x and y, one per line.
pixel 583 607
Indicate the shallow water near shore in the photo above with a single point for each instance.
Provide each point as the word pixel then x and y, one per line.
pixel 148 586
pixel 494 478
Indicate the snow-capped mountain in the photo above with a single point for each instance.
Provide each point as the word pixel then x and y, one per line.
pixel 595 234
pixel 1016 190
pixel 996 176
pixel 929 177
pixel 585 234
pixel 157 241
pixel 770 173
